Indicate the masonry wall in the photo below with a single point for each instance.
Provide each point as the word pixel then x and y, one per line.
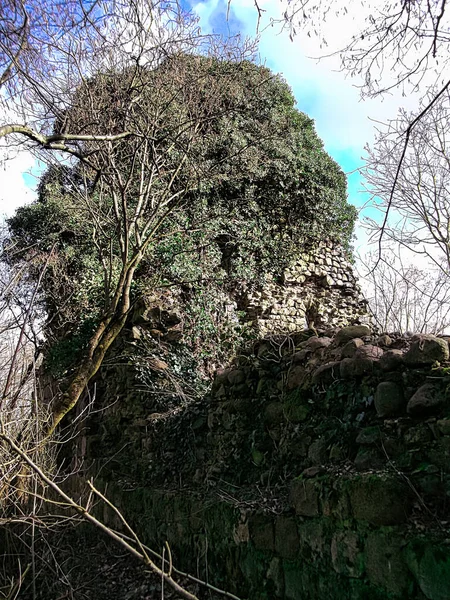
pixel 318 467
pixel 319 289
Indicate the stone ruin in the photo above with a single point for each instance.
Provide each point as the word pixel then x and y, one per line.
pixel 316 467
pixel 319 289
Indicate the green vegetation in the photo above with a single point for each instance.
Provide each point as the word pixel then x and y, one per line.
pixel 255 180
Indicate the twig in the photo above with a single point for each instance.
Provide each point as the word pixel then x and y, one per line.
pixel 91 519
pixel 400 163
pixel 187 575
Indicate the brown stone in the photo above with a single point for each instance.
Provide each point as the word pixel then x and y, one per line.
pixel 385 565
pixel 389 399
pixel 286 537
pixel 326 373
pixel 391 360
pixel 369 436
pixel 312 471
pixel 261 532
pixel 426 349
pixel 350 348
pixel 300 356
pixel 317 452
pixel 352 331
pixel 296 377
pixel 428 399
pixel 304 498
pixel 346 554
pixel 318 342
pixel 379 500
pixel 369 351
pixel 351 368
pixel 276 575
pixel 274 413
pixel 241 533
pixel 367 459
pixel 417 436
pixel 221 375
pixel 236 376
pixel 444 426
pixel 384 340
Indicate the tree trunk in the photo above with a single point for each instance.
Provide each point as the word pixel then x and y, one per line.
pixel 87 369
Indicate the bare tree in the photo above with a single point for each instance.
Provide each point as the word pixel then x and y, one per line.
pixel 49 49
pixel 404 297
pixel 395 44
pixel 398 46
pixel 419 211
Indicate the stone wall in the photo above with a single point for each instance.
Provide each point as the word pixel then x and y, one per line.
pixel 319 289
pixel 317 468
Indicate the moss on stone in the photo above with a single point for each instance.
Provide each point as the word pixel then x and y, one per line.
pixel 430 565
pixel 379 500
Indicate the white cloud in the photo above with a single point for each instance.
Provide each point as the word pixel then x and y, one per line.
pixel 343 121
pixel 16 187
pixel 321 88
pixel 330 96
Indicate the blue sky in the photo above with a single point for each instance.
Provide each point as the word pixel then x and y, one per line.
pixel 313 83
pixel 322 91
pixel 344 122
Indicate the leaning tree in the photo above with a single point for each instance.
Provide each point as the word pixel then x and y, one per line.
pixel 221 170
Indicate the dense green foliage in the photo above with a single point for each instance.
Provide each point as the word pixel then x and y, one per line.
pixel 255 179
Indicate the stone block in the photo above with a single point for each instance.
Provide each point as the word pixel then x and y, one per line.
pixel 427 400
pixel 276 575
pixel 369 351
pixel 352 368
pixel 417 436
pixel 315 541
pixel 369 436
pixel 286 537
pixel 389 399
pixel 384 340
pixel 318 342
pixel 221 376
pixel 426 349
pixel 350 348
pixel 317 452
pixel 326 373
pixel 274 413
pixel 368 459
pixel 261 532
pixel 351 331
pixel 385 564
pixel 430 565
pixel 304 498
pixel 241 534
pixel 444 426
pixel 293 580
pixel 297 376
pixel 391 360
pixel 379 500
pixel 346 554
